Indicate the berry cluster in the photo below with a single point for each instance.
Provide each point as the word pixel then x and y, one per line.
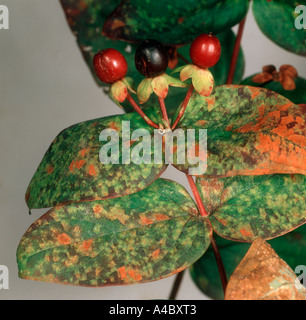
pixel 151 60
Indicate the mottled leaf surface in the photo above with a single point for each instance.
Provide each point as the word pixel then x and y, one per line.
pixel 290 247
pixel 243 208
pixel 71 170
pixel 250 131
pixel 262 275
pixel 172 22
pixel 297 96
pixel 276 19
pixel 137 238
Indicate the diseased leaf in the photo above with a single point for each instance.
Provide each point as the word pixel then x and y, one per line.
pixel 297 96
pixel 72 169
pixel 276 19
pixel 142 237
pixel 250 131
pixel 205 271
pixel 243 208
pixel 262 275
pixel 290 247
pixel 172 22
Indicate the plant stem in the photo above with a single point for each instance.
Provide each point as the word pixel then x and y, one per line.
pixel 235 54
pixel 140 112
pixel 183 107
pixel 197 196
pixel 204 213
pixel 183 58
pixel 164 110
pixel 176 285
pixel 220 264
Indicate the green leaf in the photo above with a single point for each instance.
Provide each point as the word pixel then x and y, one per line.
pixel 142 237
pixel 276 19
pixel 205 271
pixel 297 96
pixel 243 208
pixel 250 131
pixel 172 22
pixel 71 169
pixel 290 247
pixel 174 82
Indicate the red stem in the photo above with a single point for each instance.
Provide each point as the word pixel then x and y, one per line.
pixel 197 196
pixel 235 54
pixel 141 113
pixel 183 107
pixel 220 264
pixel 164 110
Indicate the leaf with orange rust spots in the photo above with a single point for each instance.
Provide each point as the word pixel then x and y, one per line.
pixel 263 275
pixel 142 237
pixel 298 95
pixel 243 208
pixel 290 247
pixel 250 131
pixel 79 174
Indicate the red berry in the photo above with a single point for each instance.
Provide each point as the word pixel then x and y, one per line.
pixel 110 65
pixel 205 50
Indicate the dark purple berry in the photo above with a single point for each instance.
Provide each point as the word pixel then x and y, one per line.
pixel 151 58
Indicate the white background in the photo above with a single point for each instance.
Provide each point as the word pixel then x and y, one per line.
pixel 45 87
